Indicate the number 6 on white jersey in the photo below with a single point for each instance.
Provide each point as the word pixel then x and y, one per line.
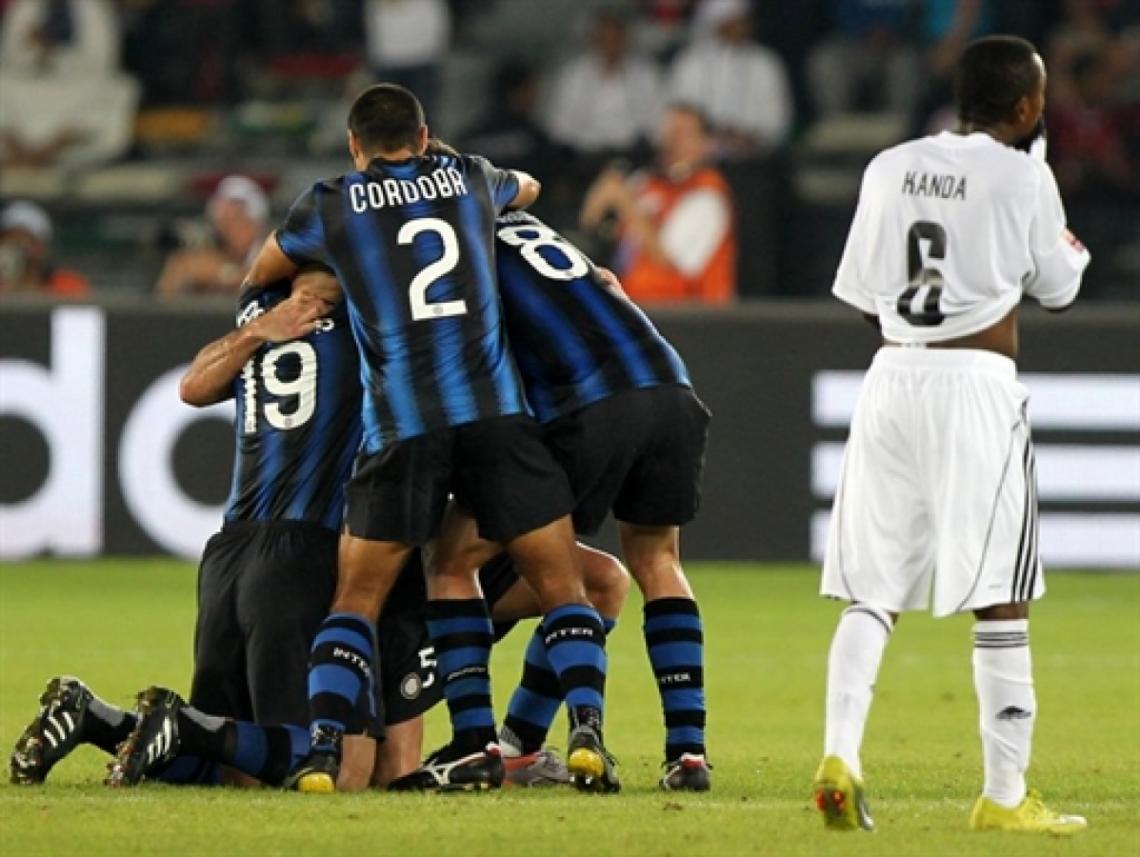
pixel 445 264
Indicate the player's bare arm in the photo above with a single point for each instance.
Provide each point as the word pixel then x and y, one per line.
pixel 529 189
pixel 270 266
pixel 209 377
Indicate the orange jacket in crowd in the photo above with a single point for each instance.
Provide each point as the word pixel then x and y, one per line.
pixel 694 223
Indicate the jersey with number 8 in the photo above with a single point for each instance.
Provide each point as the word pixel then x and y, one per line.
pixel 950 231
pixel 576 341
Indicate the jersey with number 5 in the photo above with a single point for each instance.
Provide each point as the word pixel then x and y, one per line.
pixel 950 231
pixel 411 244
pixel 576 341
pixel 297 423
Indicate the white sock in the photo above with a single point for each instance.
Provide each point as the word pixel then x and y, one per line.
pixel 852 667
pixel 509 743
pixel 1007 706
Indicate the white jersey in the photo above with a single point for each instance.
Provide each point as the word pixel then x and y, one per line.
pixel 949 233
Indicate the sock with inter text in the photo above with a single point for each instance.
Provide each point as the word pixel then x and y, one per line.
pixel 536 700
pixel 852 669
pixel 340 669
pixel 575 640
pixel 674 639
pixel 462 634
pixel 1007 706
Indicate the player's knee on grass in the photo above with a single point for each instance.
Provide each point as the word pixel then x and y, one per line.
pixel 607 581
pixel 357 758
pixel 654 558
pixel 400 751
pixel 547 559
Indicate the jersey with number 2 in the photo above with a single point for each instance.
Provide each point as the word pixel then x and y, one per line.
pixel 297 423
pixel 411 243
pixel 950 231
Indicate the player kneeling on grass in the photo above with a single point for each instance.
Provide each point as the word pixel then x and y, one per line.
pixel 938 496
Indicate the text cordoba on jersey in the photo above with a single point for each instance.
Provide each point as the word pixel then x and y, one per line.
pixel 438 184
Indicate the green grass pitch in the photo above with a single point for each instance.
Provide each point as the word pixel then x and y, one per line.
pixel 123 625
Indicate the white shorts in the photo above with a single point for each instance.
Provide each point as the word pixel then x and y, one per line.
pixel 938 494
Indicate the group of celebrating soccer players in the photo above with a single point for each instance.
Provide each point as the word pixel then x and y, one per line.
pixel 437 393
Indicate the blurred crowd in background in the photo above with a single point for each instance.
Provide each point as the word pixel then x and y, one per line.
pixel 710 150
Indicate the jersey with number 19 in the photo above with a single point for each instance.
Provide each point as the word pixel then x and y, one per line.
pixel 411 242
pixel 949 232
pixel 297 423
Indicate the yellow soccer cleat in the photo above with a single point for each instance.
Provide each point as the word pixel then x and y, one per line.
pixel 839 797
pixel 1030 816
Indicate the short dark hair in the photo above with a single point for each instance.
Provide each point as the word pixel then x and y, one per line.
pixel 386 117
pixel 993 74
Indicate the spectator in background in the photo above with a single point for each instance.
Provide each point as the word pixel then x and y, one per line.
pixel 509 133
pixel 866 62
pixel 605 102
pixel 742 86
pixel 26 265
pixel 239 214
pixel 407 41
pixel 945 28
pixel 675 224
pixel 62 98
pixel 1087 131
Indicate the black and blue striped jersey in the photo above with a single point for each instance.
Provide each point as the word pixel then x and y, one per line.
pixel 412 243
pixel 576 341
pixel 297 424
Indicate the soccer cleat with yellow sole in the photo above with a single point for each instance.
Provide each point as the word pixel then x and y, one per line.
pixel 1030 816
pixel 315 774
pixel 839 796
pixel 591 767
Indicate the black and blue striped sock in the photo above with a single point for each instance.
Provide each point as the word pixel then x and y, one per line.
pixel 575 640
pixel 340 669
pixel 675 642
pixel 536 700
pixel 462 633
pixel 186 769
pixel 267 753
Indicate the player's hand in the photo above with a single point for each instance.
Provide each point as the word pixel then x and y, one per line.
pixel 319 283
pixel 610 281
pixel 293 318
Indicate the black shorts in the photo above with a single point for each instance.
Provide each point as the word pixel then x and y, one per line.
pixel 409 685
pixel 264 588
pixel 497 468
pixel 639 452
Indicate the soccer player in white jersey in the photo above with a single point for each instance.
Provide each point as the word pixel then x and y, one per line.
pixel 936 504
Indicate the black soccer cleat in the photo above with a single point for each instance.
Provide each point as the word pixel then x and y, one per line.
pixel 592 768
pixel 689 772
pixel 314 774
pixel 54 732
pixel 154 743
pixel 450 770
pixel 317 772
